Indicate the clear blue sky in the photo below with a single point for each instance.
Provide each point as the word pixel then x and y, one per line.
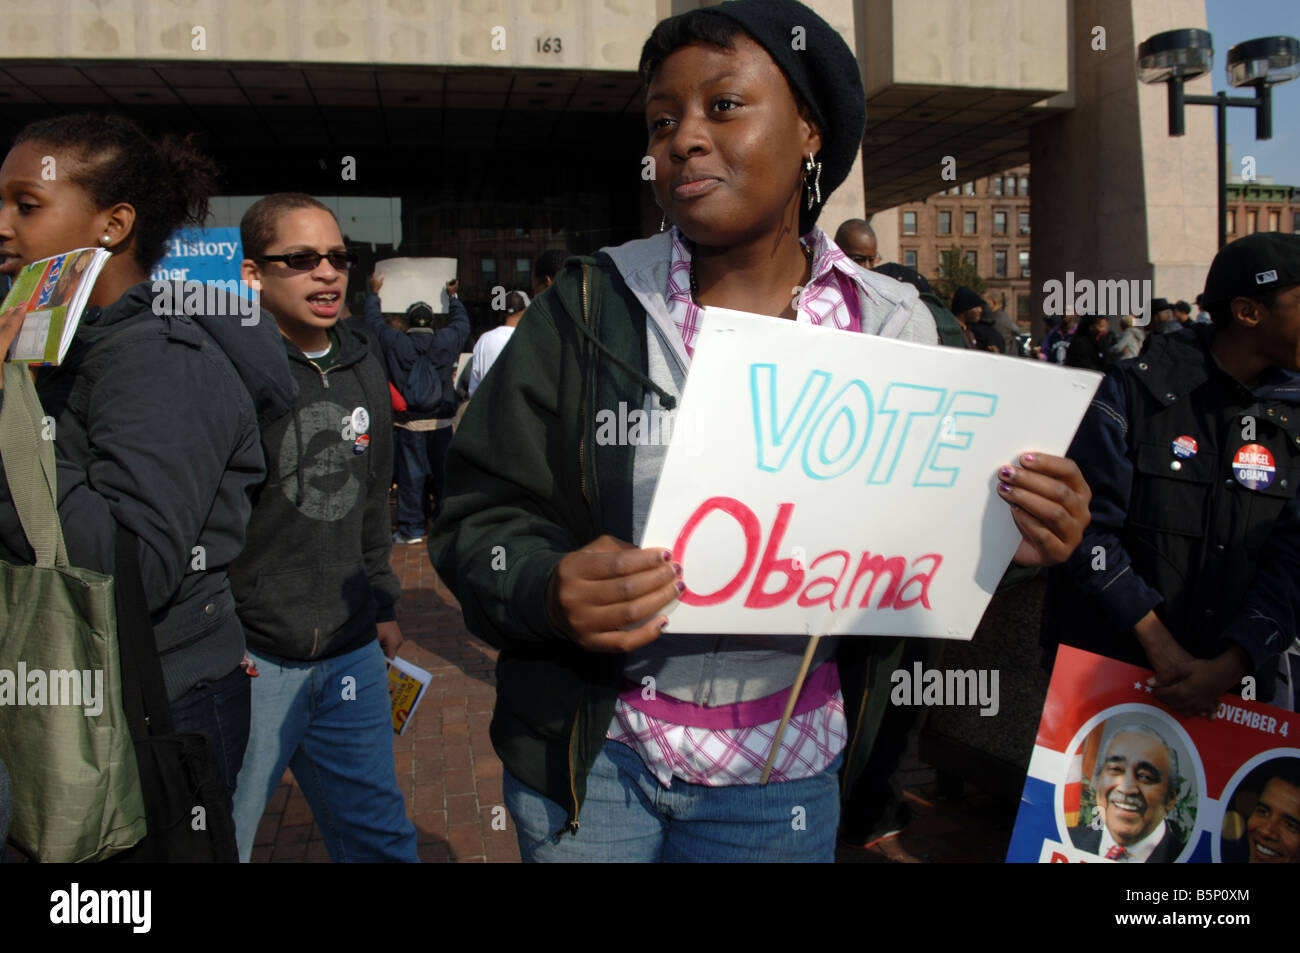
pixel 1230 22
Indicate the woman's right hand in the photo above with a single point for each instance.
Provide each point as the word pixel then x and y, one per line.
pixel 609 584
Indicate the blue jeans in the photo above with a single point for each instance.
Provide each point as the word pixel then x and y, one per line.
pixel 421 460
pixel 337 737
pixel 628 816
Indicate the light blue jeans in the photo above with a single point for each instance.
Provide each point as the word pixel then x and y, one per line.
pixel 330 722
pixel 628 816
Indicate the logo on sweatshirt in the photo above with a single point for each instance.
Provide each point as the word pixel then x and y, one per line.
pixel 329 489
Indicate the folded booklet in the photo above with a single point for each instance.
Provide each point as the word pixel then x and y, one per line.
pixel 53 292
pixel 407 684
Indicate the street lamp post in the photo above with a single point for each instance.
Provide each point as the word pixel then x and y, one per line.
pixel 1176 56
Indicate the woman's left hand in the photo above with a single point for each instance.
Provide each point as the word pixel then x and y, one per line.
pixel 1049 502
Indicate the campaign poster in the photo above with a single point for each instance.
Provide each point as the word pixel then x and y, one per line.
pixel 824 483
pixel 1118 777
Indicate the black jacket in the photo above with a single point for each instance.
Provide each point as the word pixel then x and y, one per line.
pixel 156 425
pixel 401 350
pixel 1087 352
pixel 315 577
pixel 1166 852
pixel 1218 562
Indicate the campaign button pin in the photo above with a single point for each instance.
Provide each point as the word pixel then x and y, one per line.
pixel 1185 447
pixel 362 444
pixel 360 420
pixel 1253 466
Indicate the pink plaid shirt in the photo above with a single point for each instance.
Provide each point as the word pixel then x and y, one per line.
pixel 825 300
pixel 729 744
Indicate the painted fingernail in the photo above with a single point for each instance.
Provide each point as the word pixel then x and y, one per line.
pixel 1005 488
pixel 1027 457
pixel 668 557
pixel 677 568
pixel 1006 473
pixel 681 586
pixel 663 625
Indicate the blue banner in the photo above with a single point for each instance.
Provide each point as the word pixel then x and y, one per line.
pixel 201 254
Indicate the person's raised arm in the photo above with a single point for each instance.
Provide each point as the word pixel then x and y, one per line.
pixel 391 341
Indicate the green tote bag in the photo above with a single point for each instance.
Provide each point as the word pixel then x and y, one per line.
pixel 63 733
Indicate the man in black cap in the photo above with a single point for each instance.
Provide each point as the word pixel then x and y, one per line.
pixel 950 329
pixel 1163 319
pixel 1191 565
pixel 970 308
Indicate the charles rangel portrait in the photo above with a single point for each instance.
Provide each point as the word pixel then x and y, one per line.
pixel 1261 824
pixel 1138 799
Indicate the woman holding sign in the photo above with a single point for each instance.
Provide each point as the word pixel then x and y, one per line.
pixel 622 741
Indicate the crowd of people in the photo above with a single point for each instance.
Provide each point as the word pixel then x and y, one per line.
pixel 274 449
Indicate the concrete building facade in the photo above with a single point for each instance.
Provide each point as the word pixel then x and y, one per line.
pixel 511 126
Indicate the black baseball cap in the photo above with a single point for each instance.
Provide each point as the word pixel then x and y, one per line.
pixel 1264 261
pixel 911 276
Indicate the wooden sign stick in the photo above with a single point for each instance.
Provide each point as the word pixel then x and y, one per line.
pixel 795 689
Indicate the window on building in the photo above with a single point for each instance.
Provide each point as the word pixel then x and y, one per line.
pixel 1024 185
pixel 1274 221
pixel 1295 221
pixel 1011 185
pixel 969 223
pixel 1252 221
pixel 523 269
pixel 909 258
pixel 970 188
pixel 999 223
pixel 1022 222
pixel 955 190
pixel 909 223
pixel 945 223
pixel 1232 221
pixel 1000 263
pixel 973 259
pixel 1024 264
pixel 489 268
pixel 997 185
pixel 1022 308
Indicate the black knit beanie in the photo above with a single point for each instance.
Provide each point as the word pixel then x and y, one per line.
pixel 963 299
pixel 823 71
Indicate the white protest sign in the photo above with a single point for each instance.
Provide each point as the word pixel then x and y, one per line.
pixel 408 280
pixel 850 488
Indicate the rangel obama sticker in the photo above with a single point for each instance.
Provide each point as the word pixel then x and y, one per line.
pixel 1253 467
pixel 360 420
pixel 1185 446
pixel 362 444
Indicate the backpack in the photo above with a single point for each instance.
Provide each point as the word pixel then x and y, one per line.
pixel 429 389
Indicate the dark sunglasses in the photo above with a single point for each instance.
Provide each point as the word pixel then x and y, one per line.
pixel 310 260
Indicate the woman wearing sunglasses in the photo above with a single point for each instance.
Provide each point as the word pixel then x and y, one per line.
pixel 749 132
pixel 155 417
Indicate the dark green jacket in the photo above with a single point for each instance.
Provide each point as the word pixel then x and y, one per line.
pixel 526 484
pixel 950 334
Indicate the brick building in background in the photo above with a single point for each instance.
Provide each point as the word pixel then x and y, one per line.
pixel 989 220
pixel 1261 206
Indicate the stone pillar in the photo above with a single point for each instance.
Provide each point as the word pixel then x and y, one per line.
pixel 1114 196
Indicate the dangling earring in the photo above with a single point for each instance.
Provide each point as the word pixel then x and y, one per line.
pixel 663 222
pixel 813 170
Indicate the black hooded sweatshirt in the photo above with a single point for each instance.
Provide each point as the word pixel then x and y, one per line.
pixel 315 576
pixel 156 427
